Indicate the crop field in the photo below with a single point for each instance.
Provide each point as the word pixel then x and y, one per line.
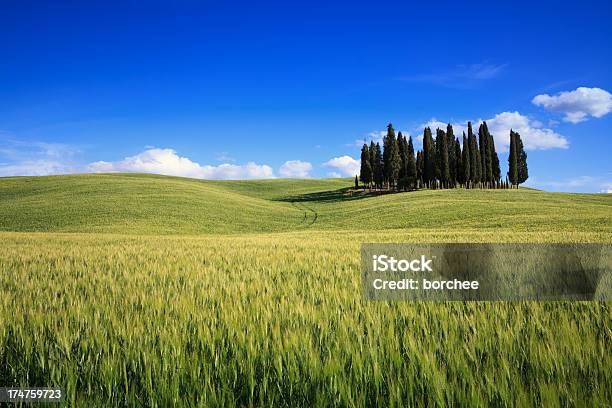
pixel 138 290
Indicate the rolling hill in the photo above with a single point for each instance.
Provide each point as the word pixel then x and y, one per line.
pixel 152 204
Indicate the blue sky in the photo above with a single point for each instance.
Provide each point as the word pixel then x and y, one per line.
pixel 244 90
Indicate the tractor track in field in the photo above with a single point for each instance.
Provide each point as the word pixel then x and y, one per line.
pixel 303 207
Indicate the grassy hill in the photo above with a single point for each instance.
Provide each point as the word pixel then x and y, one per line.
pixel 247 293
pixel 151 204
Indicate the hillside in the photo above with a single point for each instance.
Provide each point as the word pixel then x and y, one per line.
pixel 151 204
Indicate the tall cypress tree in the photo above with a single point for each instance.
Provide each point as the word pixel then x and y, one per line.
pixel 495 169
pixel 401 147
pixel 458 162
pixel 365 173
pixel 452 158
pixel 388 152
pixel 429 157
pixel 513 160
pixel 411 166
pixel 521 160
pixel 466 160
pixel 475 164
pixel 442 156
pixel 420 167
pixel 378 165
pixel 482 142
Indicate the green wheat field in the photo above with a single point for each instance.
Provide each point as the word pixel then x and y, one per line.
pixel 141 290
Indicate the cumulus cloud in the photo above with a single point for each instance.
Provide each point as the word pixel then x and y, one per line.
pixel 343 165
pixel 578 104
pixel 533 135
pixel 295 169
pixel 168 162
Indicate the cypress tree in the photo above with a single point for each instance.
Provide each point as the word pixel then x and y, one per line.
pixel 452 158
pixel 411 166
pixel 482 141
pixel 388 141
pixel 401 147
pixel 442 156
pixel 420 167
pixel 475 164
pixel 429 157
pixel 378 167
pixel 466 161
pixel 356 182
pixel 495 169
pixel 458 162
pixel 365 173
pixel 513 160
pixel 521 160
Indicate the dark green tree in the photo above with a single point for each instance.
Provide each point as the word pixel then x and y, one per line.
pixel 356 182
pixel 458 162
pixel 452 158
pixel 482 142
pixel 429 157
pixel 410 177
pixel 475 164
pixel 365 173
pixel 388 151
pixel 466 161
pixel 513 160
pixel 401 147
pixel 378 167
pixel 523 172
pixel 442 156
pixel 495 169
pixel 420 167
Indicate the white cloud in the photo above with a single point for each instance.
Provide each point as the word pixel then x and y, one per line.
pixel 375 136
pixel 532 132
pixel 578 104
pixel 344 165
pixel 35 168
pixel 295 169
pixel 167 162
pixel 533 135
pixel 334 174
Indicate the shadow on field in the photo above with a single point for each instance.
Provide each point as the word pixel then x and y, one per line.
pixel 343 194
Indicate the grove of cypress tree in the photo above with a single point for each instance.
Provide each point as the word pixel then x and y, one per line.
pixel 365 173
pixel 466 161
